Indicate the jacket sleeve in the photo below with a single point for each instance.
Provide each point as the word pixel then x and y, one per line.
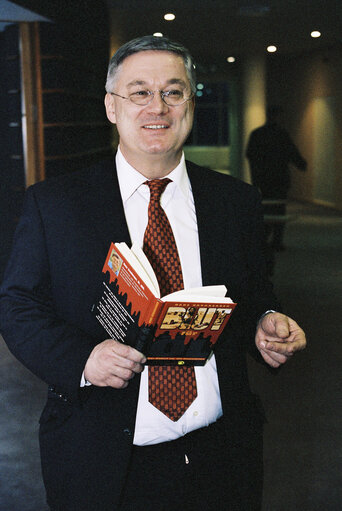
pixel 258 296
pixel 53 349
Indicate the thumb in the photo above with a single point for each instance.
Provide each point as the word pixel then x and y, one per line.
pixel 282 327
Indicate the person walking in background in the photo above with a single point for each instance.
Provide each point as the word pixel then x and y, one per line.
pixel 270 151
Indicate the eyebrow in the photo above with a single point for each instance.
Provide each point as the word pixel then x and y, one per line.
pixel 172 81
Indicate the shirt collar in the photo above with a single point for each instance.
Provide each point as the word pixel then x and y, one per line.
pixel 130 179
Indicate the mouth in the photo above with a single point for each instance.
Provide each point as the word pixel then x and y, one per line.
pixel 156 126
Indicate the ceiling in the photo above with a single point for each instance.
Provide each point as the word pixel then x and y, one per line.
pixel 216 29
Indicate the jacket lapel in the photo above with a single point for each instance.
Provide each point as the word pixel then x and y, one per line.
pixel 108 218
pixel 215 233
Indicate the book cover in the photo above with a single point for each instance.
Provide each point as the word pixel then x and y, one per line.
pixel 179 329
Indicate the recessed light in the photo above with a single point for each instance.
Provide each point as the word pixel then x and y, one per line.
pixel 271 49
pixel 158 34
pixel 231 59
pixel 169 17
pixel 315 34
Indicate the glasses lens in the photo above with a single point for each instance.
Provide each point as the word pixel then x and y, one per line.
pixel 141 97
pixel 174 97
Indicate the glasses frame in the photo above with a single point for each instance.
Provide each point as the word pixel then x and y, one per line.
pixel 151 94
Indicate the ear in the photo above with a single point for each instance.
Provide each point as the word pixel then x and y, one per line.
pixel 110 108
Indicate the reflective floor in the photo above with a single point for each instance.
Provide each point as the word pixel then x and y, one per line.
pixel 303 440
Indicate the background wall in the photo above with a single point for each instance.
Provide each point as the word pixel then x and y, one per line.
pixel 73 128
pixel 309 88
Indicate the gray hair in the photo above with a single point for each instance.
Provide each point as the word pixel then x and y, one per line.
pixel 145 43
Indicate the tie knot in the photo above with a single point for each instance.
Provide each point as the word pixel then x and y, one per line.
pixel 157 186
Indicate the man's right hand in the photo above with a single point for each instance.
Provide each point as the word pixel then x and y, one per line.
pixel 113 364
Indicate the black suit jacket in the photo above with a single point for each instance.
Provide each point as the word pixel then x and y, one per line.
pixel 51 282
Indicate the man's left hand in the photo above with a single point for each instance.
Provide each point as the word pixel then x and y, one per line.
pixel 278 337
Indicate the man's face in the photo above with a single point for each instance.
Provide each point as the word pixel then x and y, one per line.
pixel 154 129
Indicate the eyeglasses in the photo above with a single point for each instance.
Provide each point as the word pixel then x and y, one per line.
pixel 143 97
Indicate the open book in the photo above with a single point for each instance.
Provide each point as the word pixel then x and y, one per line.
pixel 180 328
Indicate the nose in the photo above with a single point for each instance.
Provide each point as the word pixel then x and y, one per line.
pixel 157 104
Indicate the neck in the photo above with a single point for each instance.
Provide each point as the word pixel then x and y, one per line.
pixel 154 166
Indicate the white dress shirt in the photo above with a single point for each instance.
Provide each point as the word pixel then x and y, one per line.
pixel 152 426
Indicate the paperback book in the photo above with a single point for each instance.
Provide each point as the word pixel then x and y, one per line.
pixel 178 329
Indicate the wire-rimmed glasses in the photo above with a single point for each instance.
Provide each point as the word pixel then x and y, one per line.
pixel 143 97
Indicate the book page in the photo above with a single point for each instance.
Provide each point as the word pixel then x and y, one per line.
pixel 137 259
pixel 145 263
pixel 200 294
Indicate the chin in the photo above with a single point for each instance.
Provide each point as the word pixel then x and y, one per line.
pixel 157 149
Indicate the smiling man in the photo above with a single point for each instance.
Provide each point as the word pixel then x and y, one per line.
pixel 114 434
pixel 153 108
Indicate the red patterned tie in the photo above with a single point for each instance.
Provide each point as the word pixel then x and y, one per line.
pixel 171 389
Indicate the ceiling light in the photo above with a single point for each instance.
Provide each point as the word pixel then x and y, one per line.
pixel 315 34
pixel 271 49
pixel 169 17
pixel 158 34
pixel 231 59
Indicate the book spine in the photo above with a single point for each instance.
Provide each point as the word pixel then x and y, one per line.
pixel 143 338
pixel 152 317
pixel 147 330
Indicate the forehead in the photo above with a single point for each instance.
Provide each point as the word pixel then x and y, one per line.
pixel 152 66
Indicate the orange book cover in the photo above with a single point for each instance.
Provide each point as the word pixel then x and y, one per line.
pixel 180 329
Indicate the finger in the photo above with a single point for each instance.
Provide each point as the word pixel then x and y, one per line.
pixel 263 340
pixel 124 367
pixel 124 361
pixel 127 352
pixel 116 382
pixel 276 324
pixel 296 336
pixel 271 360
pixel 127 371
pixel 282 328
pixel 282 348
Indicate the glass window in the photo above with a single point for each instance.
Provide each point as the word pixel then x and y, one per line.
pixel 211 123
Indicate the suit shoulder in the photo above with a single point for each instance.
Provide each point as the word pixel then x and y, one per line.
pixel 78 180
pixel 220 183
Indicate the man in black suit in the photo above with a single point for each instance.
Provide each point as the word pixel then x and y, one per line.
pixel 104 446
